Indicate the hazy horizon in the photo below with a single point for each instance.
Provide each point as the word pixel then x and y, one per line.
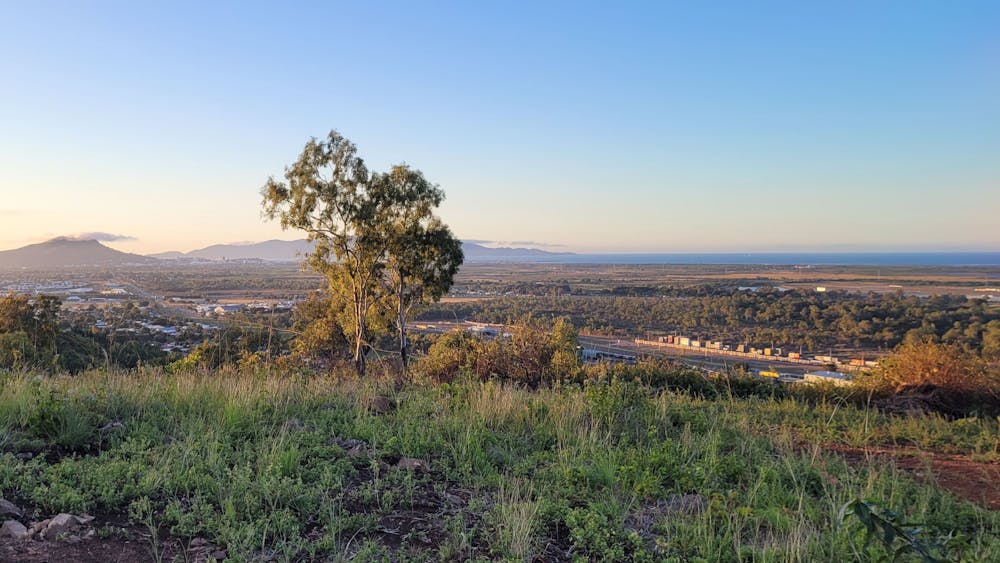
pixel 586 128
pixel 790 249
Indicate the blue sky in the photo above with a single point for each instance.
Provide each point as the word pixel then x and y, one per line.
pixel 583 126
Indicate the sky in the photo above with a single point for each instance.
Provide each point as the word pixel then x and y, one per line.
pixel 579 126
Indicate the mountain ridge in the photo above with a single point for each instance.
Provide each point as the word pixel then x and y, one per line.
pixel 64 251
pixel 276 250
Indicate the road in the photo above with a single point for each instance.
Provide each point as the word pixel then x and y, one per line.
pixel 696 357
pixel 699 357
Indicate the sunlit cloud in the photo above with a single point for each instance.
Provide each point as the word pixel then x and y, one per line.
pixel 104 237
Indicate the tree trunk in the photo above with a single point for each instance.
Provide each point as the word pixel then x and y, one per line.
pixel 359 359
pixel 401 323
pixel 403 345
pixel 360 334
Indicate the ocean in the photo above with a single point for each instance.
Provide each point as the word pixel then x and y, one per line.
pixel 954 259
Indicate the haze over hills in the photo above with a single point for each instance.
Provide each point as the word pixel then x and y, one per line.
pixel 62 252
pixel 270 250
pixel 294 250
pixel 69 252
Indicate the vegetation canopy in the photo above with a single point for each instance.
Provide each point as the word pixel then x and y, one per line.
pixel 376 238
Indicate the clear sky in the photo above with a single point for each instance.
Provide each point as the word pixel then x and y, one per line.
pixel 603 126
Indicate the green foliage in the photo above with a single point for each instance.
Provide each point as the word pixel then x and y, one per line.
pixel 377 240
pixel 790 319
pixel 244 346
pixel 598 538
pixel 529 353
pixel 274 466
pixel 901 538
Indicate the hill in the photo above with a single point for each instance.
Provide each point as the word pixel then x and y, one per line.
pixel 271 251
pixel 479 253
pixel 64 252
pixel 294 250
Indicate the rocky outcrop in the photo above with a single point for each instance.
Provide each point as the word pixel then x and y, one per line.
pixel 9 510
pixel 14 529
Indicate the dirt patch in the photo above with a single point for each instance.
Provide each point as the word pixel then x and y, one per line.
pixel 974 481
pixel 97 550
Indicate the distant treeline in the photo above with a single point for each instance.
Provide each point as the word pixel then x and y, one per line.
pixel 767 316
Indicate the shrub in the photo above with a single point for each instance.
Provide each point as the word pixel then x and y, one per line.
pixel 959 381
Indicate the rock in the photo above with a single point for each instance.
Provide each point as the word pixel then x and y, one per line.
pixel 24 456
pixel 14 529
pixel 199 542
pixel 220 555
pixel 60 524
pixel 353 447
pixel 9 509
pixel 414 464
pixel 37 527
pixel 84 519
pixel 379 404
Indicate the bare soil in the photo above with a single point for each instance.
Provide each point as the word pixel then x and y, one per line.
pixel 974 481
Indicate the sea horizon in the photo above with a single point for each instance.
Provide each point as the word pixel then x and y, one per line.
pixel 940 258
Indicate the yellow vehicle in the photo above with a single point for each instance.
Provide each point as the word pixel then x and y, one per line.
pixel 772 374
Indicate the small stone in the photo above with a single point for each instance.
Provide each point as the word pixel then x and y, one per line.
pixel 37 527
pixel 85 518
pixel 9 509
pixel 414 464
pixel 199 542
pixel 14 529
pixel 60 524
pixel 24 456
pixel 379 404
pixel 351 446
pixel 220 555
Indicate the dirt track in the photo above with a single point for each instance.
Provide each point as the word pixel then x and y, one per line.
pixel 974 481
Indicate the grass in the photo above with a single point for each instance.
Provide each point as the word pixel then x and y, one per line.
pixel 265 464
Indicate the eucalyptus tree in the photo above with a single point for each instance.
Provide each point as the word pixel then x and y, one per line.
pixel 376 238
pixel 328 194
pixel 422 254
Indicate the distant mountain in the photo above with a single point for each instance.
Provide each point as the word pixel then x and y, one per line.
pixel 271 251
pixel 479 253
pixel 65 252
pixel 294 250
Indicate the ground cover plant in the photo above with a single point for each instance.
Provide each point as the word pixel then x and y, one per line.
pixel 275 466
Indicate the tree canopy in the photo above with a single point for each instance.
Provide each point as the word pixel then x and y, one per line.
pixel 376 238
